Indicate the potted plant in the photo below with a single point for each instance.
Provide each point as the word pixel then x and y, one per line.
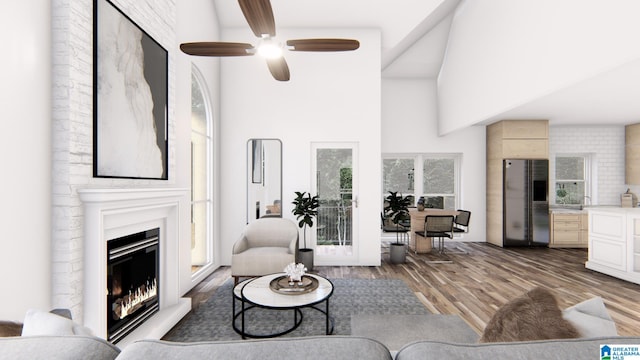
pixel 305 210
pixel 397 209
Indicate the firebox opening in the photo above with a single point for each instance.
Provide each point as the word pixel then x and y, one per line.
pixel 132 281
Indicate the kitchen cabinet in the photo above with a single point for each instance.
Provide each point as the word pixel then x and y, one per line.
pixel 509 139
pixel 632 154
pixel 568 229
pixel 614 242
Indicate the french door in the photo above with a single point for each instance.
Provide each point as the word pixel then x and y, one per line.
pixel 335 180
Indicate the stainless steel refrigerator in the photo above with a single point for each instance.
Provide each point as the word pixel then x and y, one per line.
pixel 525 203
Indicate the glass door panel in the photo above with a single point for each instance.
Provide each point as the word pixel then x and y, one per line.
pixel 334 183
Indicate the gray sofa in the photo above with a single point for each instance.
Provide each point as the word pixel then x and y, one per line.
pixel 91 348
pixel 65 347
pixel 583 348
pixel 332 347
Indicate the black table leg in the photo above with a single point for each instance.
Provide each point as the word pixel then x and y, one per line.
pixel 242 320
pixel 327 319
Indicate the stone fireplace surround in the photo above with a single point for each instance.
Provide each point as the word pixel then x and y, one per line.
pixel 112 213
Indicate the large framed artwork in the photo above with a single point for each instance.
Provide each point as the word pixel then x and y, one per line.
pixel 130 98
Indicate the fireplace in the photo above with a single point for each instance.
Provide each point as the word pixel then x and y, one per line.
pixel 112 214
pixel 132 281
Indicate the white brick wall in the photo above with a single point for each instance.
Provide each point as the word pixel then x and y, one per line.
pixel 606 146
pixel 72 117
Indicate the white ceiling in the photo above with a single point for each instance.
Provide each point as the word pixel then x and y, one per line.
pixel 414 36
pixel 402 25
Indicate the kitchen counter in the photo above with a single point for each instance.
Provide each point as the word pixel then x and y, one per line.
pixel 566 211
pixel 585 209
pixel 614 242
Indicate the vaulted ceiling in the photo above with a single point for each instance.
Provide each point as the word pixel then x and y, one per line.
pixel 414 36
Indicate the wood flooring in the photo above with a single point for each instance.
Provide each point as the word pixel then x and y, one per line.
pixel 482 277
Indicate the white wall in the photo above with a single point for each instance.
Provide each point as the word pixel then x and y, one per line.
pixel 330 97
pixel 605 144
pixel 505 53
pixel 46 145
pixel 25 145
pixel 196 21
pixel 72 130
pixel 410 125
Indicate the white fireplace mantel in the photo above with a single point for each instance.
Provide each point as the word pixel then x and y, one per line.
pixel 112 213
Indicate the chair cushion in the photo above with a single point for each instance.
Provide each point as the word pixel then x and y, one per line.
pixel 393 228
pixel 438 234
pixel 261 261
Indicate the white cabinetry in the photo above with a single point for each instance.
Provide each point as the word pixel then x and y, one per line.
pixel 636 245
pixel 568 229
pixel 614 242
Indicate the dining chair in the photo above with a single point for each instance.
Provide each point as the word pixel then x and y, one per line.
pixel 461 221
pixel 401 231
pixel 438 226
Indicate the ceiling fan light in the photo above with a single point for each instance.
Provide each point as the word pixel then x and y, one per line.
pixel 270 50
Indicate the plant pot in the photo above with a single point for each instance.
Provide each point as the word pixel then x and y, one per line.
pixel 305 256
pixel 397 253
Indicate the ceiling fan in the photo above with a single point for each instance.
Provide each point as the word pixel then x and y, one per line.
pixel 259 15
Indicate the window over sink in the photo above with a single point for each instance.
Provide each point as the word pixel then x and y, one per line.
pixel 572 179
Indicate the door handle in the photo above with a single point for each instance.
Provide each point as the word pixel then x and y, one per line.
pixel 354 201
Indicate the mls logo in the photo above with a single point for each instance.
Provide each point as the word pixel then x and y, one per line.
pixel 620 352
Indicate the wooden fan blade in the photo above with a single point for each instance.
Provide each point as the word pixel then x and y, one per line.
pixel 279 68
pixel 259 15
pixel 323 44
pixel 216 49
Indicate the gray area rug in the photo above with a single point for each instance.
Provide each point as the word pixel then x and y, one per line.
pixel 351 297
pixel 396 331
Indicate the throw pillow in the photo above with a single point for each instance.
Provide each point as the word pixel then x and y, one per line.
pixel 532 316
pixel 10 328
pixel 45 323
pixel 591 318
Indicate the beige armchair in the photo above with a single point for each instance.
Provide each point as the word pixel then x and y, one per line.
pixel 266 246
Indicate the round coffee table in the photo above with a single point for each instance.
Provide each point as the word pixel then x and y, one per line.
pixel 257 293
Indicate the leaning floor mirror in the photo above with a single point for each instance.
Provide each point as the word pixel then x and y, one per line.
pixel 264 178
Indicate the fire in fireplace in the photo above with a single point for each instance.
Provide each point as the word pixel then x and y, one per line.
pixel 132 282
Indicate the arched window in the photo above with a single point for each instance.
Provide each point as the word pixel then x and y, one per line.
pixel 201 179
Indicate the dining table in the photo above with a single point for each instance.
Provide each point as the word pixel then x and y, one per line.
pixel 420 244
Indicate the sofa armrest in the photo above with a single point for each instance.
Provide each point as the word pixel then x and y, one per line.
pixel 581 348
pixel 241 245
pixel 73 347
pixel 293 246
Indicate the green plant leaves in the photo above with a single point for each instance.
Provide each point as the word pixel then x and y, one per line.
pixel 305 210
pixel 397 207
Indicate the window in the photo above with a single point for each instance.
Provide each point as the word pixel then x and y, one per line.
pixel 201 202
pixel 439 182
pixel 398 176
pixel 571 179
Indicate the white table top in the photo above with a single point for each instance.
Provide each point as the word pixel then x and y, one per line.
pixel 257 291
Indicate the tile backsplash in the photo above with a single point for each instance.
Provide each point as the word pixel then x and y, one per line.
pixel 605 147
